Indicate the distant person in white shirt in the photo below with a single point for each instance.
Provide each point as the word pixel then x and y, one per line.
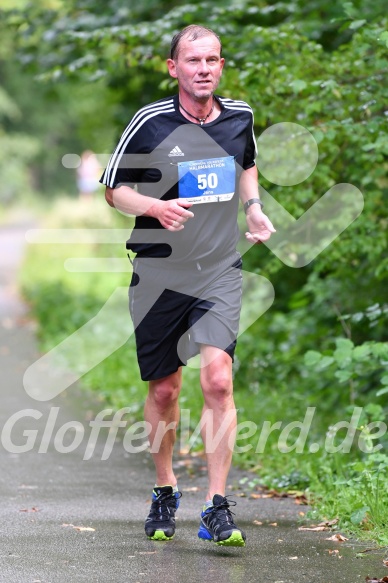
pixel 88 174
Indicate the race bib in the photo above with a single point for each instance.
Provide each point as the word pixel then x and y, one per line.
pixel 209 180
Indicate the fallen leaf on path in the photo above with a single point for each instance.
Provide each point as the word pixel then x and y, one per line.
pixel 182 463
pixel 337 538
pixel 293 558
pixel 385 562
pixel 273 524
pixel 201 453
pixel 334 552
pixel 33 509
pixel 275 494
pixel 328 522
pixel 257 522
pixel 299 496
pixel 81 528
pixel 374 580
pixel 301 500
pixel 147 553
pixel 325 525
pixel 193 489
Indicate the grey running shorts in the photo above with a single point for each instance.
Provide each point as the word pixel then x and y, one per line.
pixel 175 309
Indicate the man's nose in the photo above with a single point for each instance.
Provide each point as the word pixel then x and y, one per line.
pixel 203 67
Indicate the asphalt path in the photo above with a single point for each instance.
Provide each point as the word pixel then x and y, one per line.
pixel 66 519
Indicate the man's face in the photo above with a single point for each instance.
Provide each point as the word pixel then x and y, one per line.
pixel 198 67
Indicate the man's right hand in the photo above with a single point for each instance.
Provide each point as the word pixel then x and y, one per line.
pixel 172 214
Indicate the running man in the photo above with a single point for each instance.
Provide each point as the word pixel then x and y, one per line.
pixel 197 160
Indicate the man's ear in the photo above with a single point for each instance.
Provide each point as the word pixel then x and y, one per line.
pixel 172 68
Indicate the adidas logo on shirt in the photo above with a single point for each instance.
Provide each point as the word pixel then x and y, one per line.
pixel 176 152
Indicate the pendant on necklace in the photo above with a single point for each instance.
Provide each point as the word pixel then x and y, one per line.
pixel 200 119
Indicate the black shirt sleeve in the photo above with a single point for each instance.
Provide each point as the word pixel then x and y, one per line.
pixel 250 149
pixel 134 140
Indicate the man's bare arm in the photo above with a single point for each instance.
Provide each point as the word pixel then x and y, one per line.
pixel 170 213
pixel 260 227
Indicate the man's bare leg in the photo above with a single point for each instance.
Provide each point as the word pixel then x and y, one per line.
pixel 161 409
pixel 217 387
pixel 217 522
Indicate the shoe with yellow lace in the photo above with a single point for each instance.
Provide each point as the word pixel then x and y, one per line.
pixel 160 522
pixel 217 524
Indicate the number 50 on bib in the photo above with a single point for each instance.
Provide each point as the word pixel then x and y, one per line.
pixel 209 180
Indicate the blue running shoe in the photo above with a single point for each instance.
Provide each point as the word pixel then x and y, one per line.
pixel 160 522
pixel 217 524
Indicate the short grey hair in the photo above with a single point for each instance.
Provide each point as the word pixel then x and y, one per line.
pixel 192 32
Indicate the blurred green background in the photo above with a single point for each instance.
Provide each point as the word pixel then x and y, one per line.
pixel 71 76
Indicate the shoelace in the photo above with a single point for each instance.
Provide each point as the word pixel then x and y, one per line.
pixel 221 512
pixel 161 506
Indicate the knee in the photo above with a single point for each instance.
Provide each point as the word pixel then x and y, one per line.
pixel 217 385
pixel 165 392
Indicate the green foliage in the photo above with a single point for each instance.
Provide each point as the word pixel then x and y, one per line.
pixel 17 149
pixel 358 366
pixel 63 301
pixel 323 343
pixel 357 493
pixel 40 123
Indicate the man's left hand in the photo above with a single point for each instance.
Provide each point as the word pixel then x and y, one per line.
pixel 259 225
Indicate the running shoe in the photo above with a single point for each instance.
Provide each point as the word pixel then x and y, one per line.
pixel 217 524
pixel 160 523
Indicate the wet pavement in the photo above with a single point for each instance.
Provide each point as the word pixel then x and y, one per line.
pixel 65 519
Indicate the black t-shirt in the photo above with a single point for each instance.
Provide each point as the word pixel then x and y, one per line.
pixel 177 158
